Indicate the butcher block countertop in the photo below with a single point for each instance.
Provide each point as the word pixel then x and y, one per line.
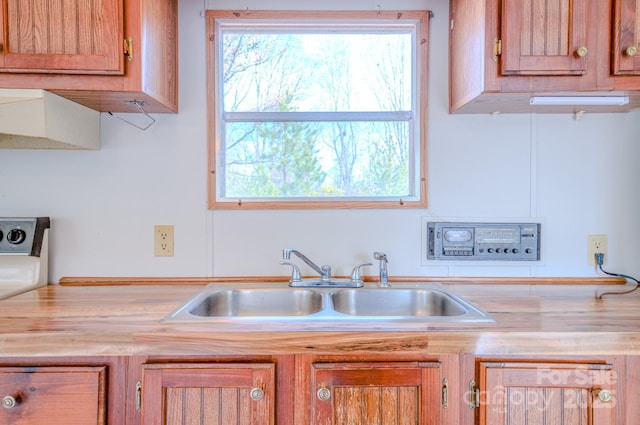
pixel 97 319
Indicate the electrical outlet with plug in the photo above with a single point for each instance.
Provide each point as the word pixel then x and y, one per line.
pixel 596 244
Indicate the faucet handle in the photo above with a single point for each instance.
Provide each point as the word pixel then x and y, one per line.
pixel 295 272
pixel 355 273
pixel 380 256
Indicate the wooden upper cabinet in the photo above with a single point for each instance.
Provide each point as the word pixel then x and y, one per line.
pixel 503 52
pixel 625 55
pixel 544 37
pixel 76 49
pixel 62 36
pixel 213 394
pixel 57 395
pixel 390 393
pixel 546 393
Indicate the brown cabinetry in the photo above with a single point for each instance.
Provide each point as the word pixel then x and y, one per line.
pixel 520 393
pixel 113 56
pixel 69 395
pixel 215 394
pixel 311 389
pixel 541 37
pixel 376 393
pixel 503 52
pixel 631 387
pixel 301 391
pixel 625 55
pixel 72 36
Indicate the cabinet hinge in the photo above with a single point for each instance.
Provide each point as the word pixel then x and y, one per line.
pixel 445 393
pixel 497 48
pixel 138 396
pixel 474 395
pixel 128 48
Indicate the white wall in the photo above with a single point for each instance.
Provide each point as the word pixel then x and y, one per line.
pixel 576 177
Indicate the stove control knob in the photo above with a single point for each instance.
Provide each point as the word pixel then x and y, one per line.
pixel 1 235
pixel 16 236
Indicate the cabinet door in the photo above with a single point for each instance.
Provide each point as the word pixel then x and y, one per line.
pixel 544 37
pixel 212 394
pixel 546 394
pixel 626 42
pixel 60 395
pixel 376 393
pixel 62 36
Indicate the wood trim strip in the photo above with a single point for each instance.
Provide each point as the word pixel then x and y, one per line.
pixel 115 281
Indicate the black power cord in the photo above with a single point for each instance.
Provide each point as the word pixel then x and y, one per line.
pixel 599 261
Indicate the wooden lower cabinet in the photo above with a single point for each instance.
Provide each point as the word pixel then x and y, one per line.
pixel 389 393
pixel 208 393
pixel 292 390
pixel 630 387
pixel 384 389
pixel 71 395
pixel 521 393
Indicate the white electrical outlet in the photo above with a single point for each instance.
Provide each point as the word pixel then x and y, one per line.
pixel 596 244
pixel 163 240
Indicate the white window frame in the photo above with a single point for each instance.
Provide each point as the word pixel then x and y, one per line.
pixel 418 128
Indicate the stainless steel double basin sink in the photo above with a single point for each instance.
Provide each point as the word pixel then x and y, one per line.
pixel 409 303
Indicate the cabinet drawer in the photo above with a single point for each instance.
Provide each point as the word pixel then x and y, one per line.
pixel 69 395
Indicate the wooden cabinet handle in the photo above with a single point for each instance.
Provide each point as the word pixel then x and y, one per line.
pixel 9 402
pixel 257 394
pixel 604 395
pixel 631 51
pixel 324 394
pixel 582 51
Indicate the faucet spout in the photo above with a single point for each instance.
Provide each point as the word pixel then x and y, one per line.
pixel 324 271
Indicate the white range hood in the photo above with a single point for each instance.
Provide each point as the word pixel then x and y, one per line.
pixel 38 119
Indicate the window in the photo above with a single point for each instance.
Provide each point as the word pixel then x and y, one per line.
pixel 317 109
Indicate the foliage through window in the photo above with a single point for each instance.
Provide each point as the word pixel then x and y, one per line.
pixel 317 109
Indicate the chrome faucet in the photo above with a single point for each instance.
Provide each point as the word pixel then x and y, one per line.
pixel 324 271
pixel 384 275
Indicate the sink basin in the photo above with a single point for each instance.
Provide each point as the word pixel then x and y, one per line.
pixel 258 302
pixel 396 302
pixel 276 306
